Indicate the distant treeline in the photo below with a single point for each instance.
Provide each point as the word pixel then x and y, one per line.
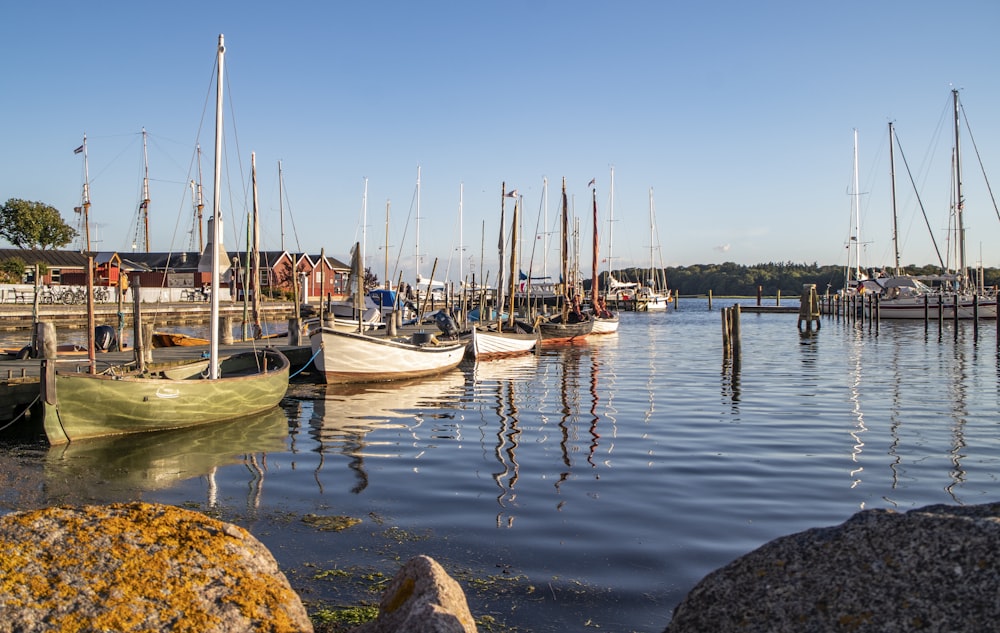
pixel 731 279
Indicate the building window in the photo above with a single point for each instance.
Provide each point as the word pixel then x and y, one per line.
pixel 55 275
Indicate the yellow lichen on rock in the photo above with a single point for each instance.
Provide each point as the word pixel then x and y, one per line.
pixel 140 567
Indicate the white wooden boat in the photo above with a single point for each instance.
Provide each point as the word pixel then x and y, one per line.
pixel 349 357
pixel 605 324
pixel 487 343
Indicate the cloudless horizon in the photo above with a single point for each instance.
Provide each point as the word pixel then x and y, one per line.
pixel 738 116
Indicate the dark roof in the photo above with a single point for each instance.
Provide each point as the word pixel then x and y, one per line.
pixel 187 261
pixel 51 258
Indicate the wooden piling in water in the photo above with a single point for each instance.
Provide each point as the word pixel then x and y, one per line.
pixel 809 307
pixel 731 338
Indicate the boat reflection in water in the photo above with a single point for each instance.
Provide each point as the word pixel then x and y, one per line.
pixel 115 468
pixel 501 382
pixel 343 416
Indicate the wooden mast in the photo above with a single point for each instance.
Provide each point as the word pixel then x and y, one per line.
pixel 594 284
pixel 254 285
pixel 200 206
pixel 564 254
pixel 513 262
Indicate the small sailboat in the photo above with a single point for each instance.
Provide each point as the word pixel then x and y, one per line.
pixel 504 337
pixel 650 297
pixel 571 324
pixel 120 400
pixel 605 321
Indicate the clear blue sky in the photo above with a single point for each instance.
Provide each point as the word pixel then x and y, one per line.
pixel 739 115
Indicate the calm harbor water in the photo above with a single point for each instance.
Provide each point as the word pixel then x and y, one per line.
pixel 589 486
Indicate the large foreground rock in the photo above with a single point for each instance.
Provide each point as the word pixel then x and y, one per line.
pixel 137 566
pixel 931 569
pixel 422 598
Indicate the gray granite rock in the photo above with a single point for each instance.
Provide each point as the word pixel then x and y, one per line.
pixel 138 566
pixel 931 569
pixel 422 598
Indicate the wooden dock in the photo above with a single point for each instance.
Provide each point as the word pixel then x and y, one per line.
pixel 19 316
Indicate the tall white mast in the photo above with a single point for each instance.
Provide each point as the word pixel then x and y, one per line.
pixel 213 364
pixel 416 247
pixel 281 210
pixel 364 235
pixel 856 219
pixel 611 225
pixel 652 237
pixel 461 250
pixel 86 195
pixel 145 190
pixel 959 202
pixel 545 229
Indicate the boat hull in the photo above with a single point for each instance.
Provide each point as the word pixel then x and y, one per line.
pixel 490 344
pixel 913 308
pixel 347 357
pixel 605 325
pixel 555 332
pixel 79 406
pixel 176 339
pixel 652 303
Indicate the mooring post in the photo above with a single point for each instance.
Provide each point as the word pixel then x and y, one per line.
pixel 760 291
pixel 975 315
pixel 809 307
pixel 709 298
pixel 777 300
pixel 737 337
pixel 726 341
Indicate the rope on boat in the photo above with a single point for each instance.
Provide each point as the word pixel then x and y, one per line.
pixel 21 414
pixel 308 362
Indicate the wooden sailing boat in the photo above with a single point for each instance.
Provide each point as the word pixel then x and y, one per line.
pixel 121 400
pixel 605 321
pixel 571 324
pixel 505 337
pixel 354 357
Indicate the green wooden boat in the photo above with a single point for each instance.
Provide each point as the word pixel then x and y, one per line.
pixel 84 405
pixel 81 405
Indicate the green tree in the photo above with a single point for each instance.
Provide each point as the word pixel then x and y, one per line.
pixel 12 271
pixel 33 225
